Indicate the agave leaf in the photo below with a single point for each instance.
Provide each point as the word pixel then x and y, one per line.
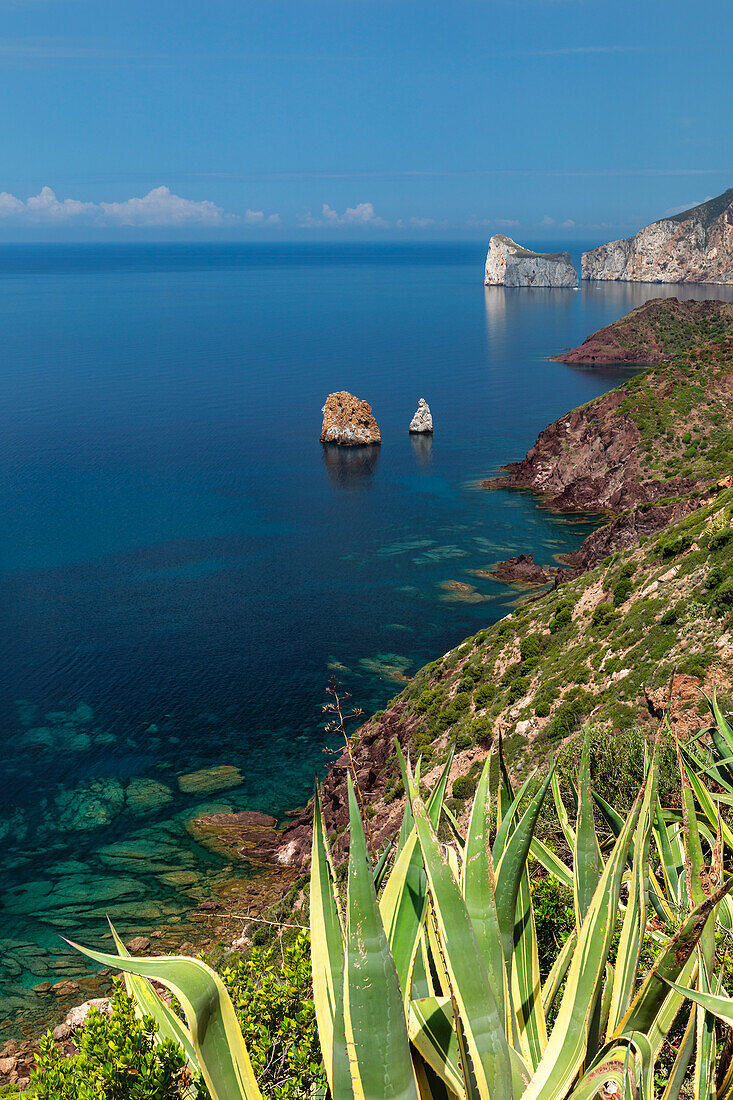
pixel 431 1030
pixel 453 822
pixel 635 917
pixel 327 938
pixel 212 1021
pixel 480 1019
pixel 554 979
pixel 434 804
pixel 706 801
pixel 478 886
pixel 566 1048
pixel 407 823
pixel 669 964
pixel 504 830
pixel 587 861
pixel 615 823
pixel 672 864
pixel 562 814
pixel 150 1004
pixel 551 862
pixel 382 865
pixel 681 1061
pixel 703 1079
pixel 510 868
pixel 526 979
pixel 376 1030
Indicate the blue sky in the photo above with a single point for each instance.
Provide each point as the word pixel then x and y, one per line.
pixel 338 119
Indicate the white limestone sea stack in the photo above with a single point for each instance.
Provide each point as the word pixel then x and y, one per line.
pixel 422 421
pixel 509 264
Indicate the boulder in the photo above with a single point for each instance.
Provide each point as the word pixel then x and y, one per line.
pixel 422 421
pixel 348 421
pixel 510 264
pixel 138 944
pixel 77 1016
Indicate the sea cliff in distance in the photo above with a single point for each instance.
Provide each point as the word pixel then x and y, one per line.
pixel 511 264
pixel 695 246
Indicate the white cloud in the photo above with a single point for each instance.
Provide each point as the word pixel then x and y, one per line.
pixel 567 224
pixel 547 220
pixel 685 206
pixel 160 207
pixel 257 217
pixel 361 214
pixel 506 223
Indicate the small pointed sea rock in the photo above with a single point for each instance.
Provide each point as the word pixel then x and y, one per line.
pixel 348 421
pixel 422 421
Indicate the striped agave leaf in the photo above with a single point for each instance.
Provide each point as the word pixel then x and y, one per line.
pixel 587 860
pixel 217 1038
pixel 566 1048
pixel 374 1017
pixel 148 1003
pixel 480 1021
pixel 635 917
pixel 327 938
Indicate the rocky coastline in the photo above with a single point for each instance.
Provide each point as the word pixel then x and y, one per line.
pixel 695 246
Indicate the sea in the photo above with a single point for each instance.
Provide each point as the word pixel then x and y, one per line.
pixel 184 567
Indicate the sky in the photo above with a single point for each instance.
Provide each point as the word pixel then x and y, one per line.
pixel 359 119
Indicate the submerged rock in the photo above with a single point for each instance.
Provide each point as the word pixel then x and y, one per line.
pixel 422 421
pixel 210 779
pixel 91 805
pixel 348 421
pixel 144 796
pixel 509 264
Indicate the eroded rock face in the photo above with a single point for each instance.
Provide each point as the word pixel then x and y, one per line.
pixel 693 247
pixel 348 421
pixel 422 421
pixel 509 264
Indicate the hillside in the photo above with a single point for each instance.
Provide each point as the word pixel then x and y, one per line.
pixel 652 332
pixel 695 246
pixel 645 619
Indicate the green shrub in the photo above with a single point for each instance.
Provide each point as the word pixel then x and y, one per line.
pixel 462 701
pixel 671 615
pixel 118 1057
pixel 464 787
pixel 530 647
pixel 542 708
pixel 720 538
pixel 484 695
pixel 272 996
pixel 554 915
pixel 463 741
pixel 518 688
pixel 573 709
pixel 603 613
pixel 621 591
pixel 674 545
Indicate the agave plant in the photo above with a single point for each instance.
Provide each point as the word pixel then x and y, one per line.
pixel 452 940
pixel 426 978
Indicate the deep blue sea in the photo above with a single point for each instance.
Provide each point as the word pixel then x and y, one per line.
pixel 183 566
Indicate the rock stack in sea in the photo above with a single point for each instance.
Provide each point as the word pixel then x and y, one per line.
pixel 510 264
pixel 695 246
pixel 348 421
pixel 422 421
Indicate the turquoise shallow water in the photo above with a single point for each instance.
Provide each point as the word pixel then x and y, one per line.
pixel 183 565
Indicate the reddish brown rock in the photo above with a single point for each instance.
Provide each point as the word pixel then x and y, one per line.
pixel 649 334
pixel 348 421
pixel 520 570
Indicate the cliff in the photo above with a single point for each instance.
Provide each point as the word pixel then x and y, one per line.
pixel 652 333
pixel 693 247
pixel 509 264
pixel 642 624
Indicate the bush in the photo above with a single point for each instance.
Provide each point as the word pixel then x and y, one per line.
pixel 464 787
pixel 670 616
pixel 462 701
pixel 720 538
pixel 530 647
pixel 570 713
pixel 674 545
pixel 118 1057
pixel 518 688
pixel 554 915
pixel 603 613
pixel 272 996
pixel 484 695
pixel 621 591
